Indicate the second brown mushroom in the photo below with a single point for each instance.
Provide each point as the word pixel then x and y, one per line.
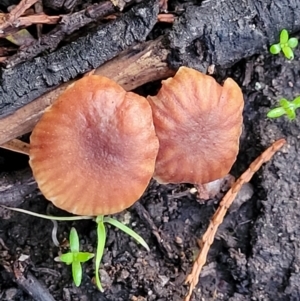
pixel 198 123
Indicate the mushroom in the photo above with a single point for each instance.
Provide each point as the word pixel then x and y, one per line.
pixel 198 123
pixel 93 151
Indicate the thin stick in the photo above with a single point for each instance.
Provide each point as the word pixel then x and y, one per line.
pixel 31 284
pixel 217 219
pixel 17 145
pixel 38 7
pixel 15 14
pixel 37 19
pixel 166 18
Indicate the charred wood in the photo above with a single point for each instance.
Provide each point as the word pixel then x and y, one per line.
pixel 224 32
pixel 29 80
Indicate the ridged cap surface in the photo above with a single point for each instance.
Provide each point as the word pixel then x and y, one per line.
pixel 93 151
pixel 198 123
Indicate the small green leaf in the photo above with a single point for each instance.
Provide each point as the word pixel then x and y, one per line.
pixel 293 42
pixel 84 256
pixel 66 258
pixel 284 36
pixel 127 230
pixel 74 240
pixel 291 114
pixel 284 103
pixel 77 272
pixel 288 53
pixel 275 48
pixel 277 112
pixel 296 102
pixel 287 107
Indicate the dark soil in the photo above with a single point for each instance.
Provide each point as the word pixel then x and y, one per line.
pixel 256 255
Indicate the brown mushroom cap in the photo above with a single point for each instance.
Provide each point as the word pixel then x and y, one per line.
pixel 198 124
pixel 93 152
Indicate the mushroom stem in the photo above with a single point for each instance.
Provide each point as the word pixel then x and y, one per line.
pixel 17 145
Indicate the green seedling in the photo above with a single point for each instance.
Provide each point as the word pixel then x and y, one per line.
pixel 101 235
pixel 75 257
pixel 286 108
pixel 286 45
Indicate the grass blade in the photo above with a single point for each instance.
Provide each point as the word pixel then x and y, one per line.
pixel 101 235
pixel 128 231
pixel 50 217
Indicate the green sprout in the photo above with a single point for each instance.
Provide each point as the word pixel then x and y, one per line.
pixel 75 257
pixel 286 107
pixel 286 45
pixel 101 235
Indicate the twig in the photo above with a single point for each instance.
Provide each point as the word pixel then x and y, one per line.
pixel 163 5
pixel 68 25
pixel 38 7
pixel 16 13
pixel 145 217
pixel 18 271
pixel 15 186
pixel 166 18
pixel 5 51
pixel 23 120
pixel 36 19
pixel 217 219
pixel 17 146
pixel 30 284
